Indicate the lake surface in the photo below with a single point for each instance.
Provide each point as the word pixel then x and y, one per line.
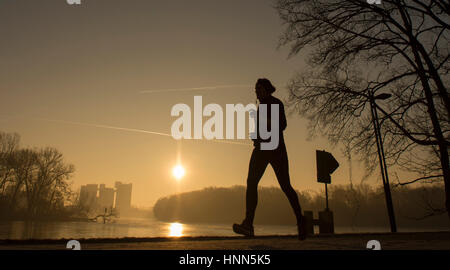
pixel 148 227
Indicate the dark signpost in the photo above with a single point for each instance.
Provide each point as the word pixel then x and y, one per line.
pixel 326 165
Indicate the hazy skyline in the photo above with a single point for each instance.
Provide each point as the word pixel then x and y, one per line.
pixel 97 81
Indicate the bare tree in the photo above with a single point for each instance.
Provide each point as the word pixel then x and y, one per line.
pixel 48 182
pixel 9 142
pixel 357 51
pixel 38 177
pixel 23 166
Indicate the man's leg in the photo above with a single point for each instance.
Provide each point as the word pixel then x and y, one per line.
pixel 257 166
pixel 280 165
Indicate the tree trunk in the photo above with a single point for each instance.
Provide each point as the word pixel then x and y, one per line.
pixel 446 171
pixel 442 143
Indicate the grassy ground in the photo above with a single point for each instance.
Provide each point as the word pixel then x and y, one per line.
pixel 409 241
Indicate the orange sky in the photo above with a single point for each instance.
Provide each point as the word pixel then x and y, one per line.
pixel 90 64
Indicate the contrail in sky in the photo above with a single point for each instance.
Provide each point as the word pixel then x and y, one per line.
pixel 194 88
pixel 134 130
pixel 106 126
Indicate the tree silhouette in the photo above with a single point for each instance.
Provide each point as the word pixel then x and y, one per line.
pixel 354 206
pixel 358 51
pixel 34 179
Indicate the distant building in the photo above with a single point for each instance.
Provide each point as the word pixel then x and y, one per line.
pixel 88 195
pixel 123 197
pixel 105 197
pixel 96 198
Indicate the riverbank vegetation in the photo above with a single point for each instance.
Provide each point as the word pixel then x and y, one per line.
pixel 34 182
pixel 353 206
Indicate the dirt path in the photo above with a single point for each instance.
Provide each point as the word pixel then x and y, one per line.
pixel 423 240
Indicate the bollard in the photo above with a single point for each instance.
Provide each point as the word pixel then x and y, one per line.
pixel 325 222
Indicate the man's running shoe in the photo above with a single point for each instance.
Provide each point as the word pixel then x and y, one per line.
pixel 243 229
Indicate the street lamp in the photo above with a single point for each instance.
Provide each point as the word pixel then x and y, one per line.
pixel 383 166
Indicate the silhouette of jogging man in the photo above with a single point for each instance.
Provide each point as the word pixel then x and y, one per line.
pixel 261 158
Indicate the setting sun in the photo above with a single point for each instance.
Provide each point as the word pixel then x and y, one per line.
pixel 178 172
pixel 176 230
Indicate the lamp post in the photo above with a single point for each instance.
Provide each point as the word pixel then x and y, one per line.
pixel 381 157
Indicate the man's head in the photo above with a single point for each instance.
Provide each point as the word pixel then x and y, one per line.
pixel 264 88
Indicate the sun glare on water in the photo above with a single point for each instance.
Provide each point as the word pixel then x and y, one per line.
pixel 178 172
